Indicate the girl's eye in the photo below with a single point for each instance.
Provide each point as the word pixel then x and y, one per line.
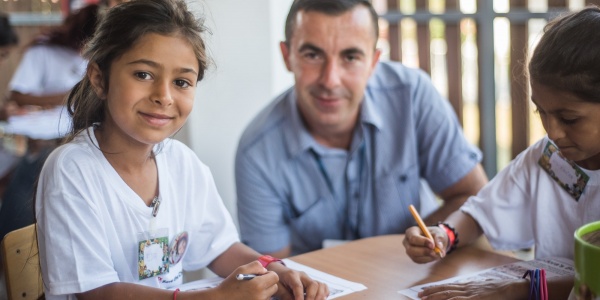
pixel 568 121
pixel 182 83
pixel 143 75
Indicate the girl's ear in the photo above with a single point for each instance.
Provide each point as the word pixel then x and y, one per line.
pixel 97 80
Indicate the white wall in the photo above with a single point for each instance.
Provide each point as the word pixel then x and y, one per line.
pixel 248 73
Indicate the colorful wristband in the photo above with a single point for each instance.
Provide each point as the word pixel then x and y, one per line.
pixel 452 236
pixel 265 260
pixel 538 289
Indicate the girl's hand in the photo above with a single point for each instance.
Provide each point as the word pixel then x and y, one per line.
pixel 486 290
pixel 420 249
pixel 259 288
pixel 295 285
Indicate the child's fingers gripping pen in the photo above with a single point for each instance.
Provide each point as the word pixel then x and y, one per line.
pixel 424 229
pixel 245 276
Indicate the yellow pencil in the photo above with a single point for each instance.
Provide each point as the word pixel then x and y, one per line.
pixel 421 224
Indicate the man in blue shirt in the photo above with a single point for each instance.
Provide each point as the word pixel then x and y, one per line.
pixel 341 155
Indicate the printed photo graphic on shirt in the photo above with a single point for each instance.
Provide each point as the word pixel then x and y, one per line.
pixel 153 257
pixel 172 279
pixel 178 246
pixel 565 172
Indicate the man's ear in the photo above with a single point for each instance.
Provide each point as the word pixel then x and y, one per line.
pixel 376 55
pixel 97 80
pixel 285 53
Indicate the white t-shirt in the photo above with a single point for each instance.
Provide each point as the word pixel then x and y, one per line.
pixel 47 70
pixel 89 219
pixel 523 206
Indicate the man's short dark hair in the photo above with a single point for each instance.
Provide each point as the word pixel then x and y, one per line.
pixel 328 7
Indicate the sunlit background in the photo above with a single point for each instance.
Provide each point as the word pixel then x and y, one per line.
pixel 469 52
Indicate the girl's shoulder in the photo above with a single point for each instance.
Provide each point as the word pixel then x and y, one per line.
pixel 81 151
pixel 72 162
pixel 533 152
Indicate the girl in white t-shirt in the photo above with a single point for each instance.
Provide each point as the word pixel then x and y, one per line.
pixel 115 203
pixel 550 189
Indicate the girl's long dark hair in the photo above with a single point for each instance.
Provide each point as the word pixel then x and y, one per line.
pixel 121 27
pixel 567 56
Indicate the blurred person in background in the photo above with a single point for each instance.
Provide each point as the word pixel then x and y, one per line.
pixel 8 37
pixel 50 67
pixel 8 40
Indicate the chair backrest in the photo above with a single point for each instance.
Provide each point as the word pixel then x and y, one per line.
pixel 22 264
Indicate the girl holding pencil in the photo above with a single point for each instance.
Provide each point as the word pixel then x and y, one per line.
pixel 550 189
pixel 120 195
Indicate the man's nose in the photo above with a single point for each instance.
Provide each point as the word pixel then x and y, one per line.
pixel 331 74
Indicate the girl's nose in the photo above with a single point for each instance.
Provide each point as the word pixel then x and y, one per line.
pixel 161 94
pixel 554 129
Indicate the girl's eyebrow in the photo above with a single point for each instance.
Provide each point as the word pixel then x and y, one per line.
pixel 556 111
pixel 157 65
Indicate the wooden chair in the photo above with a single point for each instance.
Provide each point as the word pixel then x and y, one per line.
pixel 22 264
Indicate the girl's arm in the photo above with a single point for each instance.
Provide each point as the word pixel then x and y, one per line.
pixel 119 290
pixel 261 287
pixel 467 228
pixel 238 254
pixel 558 289
pixel 421 250
pixel 292 284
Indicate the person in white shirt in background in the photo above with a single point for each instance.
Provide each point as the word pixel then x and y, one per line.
pixel 50 67
pixel 8 41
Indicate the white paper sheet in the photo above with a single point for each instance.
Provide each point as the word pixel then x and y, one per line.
pixel 337 286
pixel 553 266
pixel 41 125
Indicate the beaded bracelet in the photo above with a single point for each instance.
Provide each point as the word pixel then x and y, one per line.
pixel 538 289
pixel 452 236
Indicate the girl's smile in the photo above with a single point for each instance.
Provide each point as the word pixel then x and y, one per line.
pixel 151 91
pixel 156 119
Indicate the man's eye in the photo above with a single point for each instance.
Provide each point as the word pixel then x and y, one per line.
pixel 311 55
pixel 351 58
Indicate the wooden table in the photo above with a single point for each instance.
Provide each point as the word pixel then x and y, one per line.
pixel 381 264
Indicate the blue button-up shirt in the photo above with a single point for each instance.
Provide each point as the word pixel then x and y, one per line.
pixel 292 190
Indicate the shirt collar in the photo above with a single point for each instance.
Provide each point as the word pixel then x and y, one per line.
pixel 298 138
pixel 369 112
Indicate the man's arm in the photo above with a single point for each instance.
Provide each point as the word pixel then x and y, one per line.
pixel 260 209
pixel 457 194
